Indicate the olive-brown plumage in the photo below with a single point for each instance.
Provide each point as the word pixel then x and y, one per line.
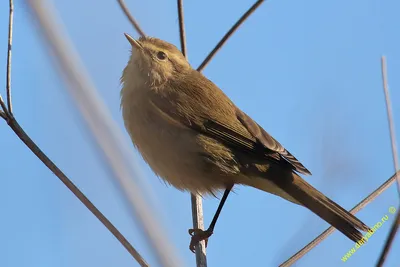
pixel 195 138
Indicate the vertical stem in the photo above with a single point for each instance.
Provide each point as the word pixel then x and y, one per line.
pixel 197 204
pixel 182 33
pixel 395 226
pixel 390 119
pixel 10 37
pixel 197 214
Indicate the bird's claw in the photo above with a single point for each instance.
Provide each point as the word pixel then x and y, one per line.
pixel 197 236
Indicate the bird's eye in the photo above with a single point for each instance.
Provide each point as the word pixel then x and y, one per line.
pixel 161 55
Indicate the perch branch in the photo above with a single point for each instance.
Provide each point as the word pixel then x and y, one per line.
pixel 196 201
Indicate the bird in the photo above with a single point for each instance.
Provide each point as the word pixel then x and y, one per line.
pixel 197 140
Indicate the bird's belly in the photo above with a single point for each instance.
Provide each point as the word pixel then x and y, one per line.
pixel 174 154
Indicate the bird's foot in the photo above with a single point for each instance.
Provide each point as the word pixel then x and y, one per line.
pixel 197 236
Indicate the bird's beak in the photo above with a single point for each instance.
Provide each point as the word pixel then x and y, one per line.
pixel 133 42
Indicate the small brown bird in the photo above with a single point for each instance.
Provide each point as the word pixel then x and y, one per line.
pixel 194 137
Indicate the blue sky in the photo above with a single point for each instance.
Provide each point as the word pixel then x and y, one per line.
pixel 307 71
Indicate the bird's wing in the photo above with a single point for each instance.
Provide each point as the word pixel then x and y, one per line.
pixel 260 142
pixel 217 117
pixel 269 142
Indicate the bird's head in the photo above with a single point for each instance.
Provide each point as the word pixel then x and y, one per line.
pixel 155 61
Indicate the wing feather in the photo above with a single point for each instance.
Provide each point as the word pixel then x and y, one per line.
pixel 217 117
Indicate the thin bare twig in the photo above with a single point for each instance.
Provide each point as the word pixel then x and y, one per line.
pixel 12 122
pixel 3 115
pixel 197 210
pixel 390 120
pixel 330 230
pixel 182 33
pixel 201 259
pixel 198 222
pixel 130 17
pixel 85 201
pixel 8 75
pixel 389 240
pixel 105 131
pixel 229 34
pixel 3 106
pixel 395 226
pixel 196 201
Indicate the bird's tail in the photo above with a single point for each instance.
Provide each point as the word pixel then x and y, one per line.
pixel 297 190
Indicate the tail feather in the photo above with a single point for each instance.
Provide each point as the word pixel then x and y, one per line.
pixel 311 198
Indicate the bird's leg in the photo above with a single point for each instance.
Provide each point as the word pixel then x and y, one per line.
pixel 198 234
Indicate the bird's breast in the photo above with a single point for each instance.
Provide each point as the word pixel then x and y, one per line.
pixel 172 152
